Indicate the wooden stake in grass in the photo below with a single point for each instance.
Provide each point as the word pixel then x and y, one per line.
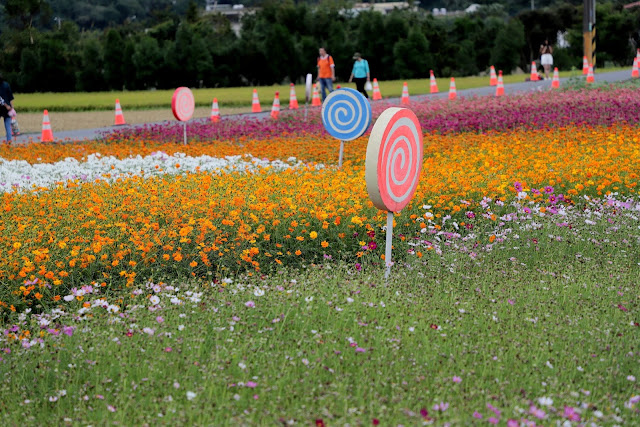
pixel 393 165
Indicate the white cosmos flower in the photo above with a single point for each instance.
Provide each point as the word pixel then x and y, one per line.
pixel 258 292
pixel 155 300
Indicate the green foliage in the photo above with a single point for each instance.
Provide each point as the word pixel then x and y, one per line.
pixel 279 43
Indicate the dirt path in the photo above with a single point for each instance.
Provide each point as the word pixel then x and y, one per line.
pixel 65 121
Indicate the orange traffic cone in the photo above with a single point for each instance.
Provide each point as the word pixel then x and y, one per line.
pixel 500 85
pixel 405 94
pixel 433 86
pixel 275 109
pixel 255 103
pixel 590 76
pixel 47 133
pixel 555 83
pixel 534 72
pixel 453 93
pixel 315 99
pixel 215 111
pixel 493 79
pixel 119 115
pixel 634 71
pixel 293 100
pixel 585 66
pixel 376 90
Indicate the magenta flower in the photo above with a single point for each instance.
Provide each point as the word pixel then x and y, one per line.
pixel 538 413
pixel 252 384
pixel 517 186
pixel 457 379
pixel 548 189
pixel 493 420
pixel 477 415
pixel 250 304
pixel 68 330
pixel 571 414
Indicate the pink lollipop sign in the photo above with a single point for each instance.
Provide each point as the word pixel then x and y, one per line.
pixel 182 104
pixel 393 164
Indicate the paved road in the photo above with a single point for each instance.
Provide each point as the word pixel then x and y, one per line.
pixel 511 88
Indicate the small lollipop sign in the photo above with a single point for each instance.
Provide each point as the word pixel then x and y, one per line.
pixel 183 105
pixel 346 115
pixel 393 165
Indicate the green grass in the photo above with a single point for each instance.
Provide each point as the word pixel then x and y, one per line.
pixel 547 312
pixel 228 97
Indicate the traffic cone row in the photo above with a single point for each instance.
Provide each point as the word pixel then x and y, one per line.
pixel 315 99
pixel 215 111
pixel 275 109
pixel 555 83
pixel 585 66
pixel 376 90
pixel 405 95
pixel 47 133
pixel 534 72
pixel 119 115
pixel 293 100
pixel 500 84
pixel 255 103
pixel 453 93
pixel 634 71
pixel 433 86
pixel 493 79
pixel 590 77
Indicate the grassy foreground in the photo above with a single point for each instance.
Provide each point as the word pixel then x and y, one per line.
pixel 543 327
pixel 229 97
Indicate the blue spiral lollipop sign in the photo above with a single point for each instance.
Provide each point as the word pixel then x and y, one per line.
pixel 346 115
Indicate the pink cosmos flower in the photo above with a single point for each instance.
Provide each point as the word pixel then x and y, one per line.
pixel 571 414
pixel 252 384
pixel 457 379
pixel 250 304
pixel 477 415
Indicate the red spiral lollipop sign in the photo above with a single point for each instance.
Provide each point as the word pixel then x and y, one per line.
pixel 182 104
pixel 394 159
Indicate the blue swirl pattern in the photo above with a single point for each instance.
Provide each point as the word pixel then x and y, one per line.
pixel 346 114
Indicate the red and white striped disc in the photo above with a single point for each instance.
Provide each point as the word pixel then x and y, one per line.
pixel 394 159
pixel 183 104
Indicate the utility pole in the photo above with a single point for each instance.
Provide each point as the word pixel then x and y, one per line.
pixel 589 30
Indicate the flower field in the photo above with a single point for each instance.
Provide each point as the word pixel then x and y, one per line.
pixel 513 298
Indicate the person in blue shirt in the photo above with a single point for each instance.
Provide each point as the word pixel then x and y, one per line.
pixel 360 73
pixel 6 105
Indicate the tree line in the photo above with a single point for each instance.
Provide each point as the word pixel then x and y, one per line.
pixel 279 43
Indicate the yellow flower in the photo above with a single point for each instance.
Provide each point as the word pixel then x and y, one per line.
pixel 313 235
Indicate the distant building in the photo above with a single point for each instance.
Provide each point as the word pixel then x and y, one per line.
pixel 233 12
pixel 383 8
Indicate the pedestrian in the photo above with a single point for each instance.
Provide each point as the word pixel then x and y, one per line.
pixel 326 72
pixel 360 73
pixel 6 105
pixel 546 58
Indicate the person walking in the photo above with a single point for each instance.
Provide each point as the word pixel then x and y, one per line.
pixel 6 105
pixel 326 72
pixel 360 73
pixel 546 57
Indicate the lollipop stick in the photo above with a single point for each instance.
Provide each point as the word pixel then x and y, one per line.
pixel 185 133
pixel 387 252
pixel 341 154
